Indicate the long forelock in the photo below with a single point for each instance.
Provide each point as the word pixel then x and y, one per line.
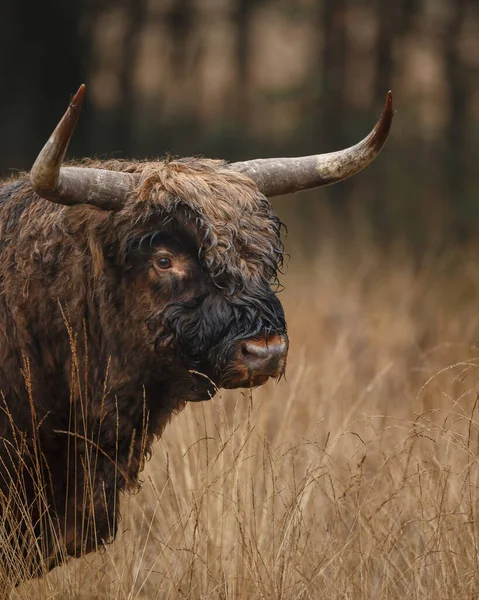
pixel 237 231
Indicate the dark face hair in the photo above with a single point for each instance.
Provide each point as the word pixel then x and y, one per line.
pixel 194 318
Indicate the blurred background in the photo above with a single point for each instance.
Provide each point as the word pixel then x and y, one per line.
pixel 238 79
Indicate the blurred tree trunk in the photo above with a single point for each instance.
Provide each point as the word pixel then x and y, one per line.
pixel 394 20
pixel 456 139
pixel 124 119
pixel 332 122
pixel 180 22
pixel 242 18
pixel 334 71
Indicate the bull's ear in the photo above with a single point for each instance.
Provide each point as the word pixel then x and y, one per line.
pixel 76 185
pixel 277 176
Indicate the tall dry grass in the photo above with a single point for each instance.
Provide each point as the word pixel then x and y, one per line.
pixel 357 477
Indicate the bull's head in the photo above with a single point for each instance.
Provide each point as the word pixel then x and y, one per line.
pixel 200 249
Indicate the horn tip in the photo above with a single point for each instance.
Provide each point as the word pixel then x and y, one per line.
pixel 387 116
pixel 77 100
pixel 388 106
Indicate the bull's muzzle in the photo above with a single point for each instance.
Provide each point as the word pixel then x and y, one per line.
pixel 257 360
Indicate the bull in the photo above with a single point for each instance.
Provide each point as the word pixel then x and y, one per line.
pixel 128 289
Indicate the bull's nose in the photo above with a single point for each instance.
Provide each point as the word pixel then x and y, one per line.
pixel 265 356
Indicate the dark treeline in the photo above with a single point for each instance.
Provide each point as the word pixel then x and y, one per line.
pixel 242 78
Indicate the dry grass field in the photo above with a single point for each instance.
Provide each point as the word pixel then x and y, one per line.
pixel 356 477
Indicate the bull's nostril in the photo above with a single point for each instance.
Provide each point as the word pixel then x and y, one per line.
pixel 264 356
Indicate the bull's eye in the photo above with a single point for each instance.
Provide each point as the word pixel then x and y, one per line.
pixel 163 262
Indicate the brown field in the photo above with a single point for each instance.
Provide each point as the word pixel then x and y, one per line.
pixel 357 477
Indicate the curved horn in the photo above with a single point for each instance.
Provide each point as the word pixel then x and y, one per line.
pixel 76 185
pixel 277 176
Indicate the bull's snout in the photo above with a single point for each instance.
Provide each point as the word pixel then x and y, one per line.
pixel 257 360
pixel 264 356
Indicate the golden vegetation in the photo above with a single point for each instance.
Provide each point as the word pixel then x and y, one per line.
pixel 355 478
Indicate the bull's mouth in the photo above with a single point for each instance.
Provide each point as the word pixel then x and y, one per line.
pixel 253 381
pixel 201 388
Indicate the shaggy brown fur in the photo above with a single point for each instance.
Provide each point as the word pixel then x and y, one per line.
pixel 97 345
